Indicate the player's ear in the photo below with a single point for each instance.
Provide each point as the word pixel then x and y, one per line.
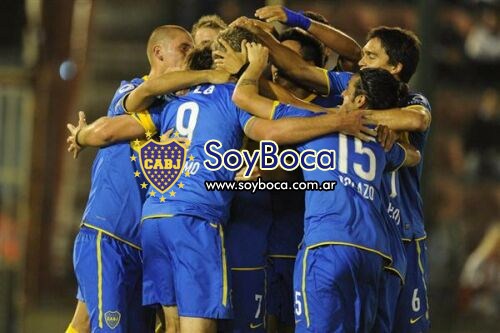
pixel 360 101
pixel 158 52
pixel 396 69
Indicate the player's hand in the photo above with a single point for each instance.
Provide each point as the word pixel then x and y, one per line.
pixel 74 147
pixel 168 136
pixel 230 60
pixel 240 174
pixel 254 26
pixel 386 137
pixel 355 123
pixel 257 55
pixel 218 76
pixel 272 13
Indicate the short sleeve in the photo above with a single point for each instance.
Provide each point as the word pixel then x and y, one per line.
pixel 418 99
pixel 395 157
pixel 117 106
pixel 337 82
pixel 287 110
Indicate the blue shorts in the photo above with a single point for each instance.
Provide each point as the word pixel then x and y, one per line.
pixel 185 264
pixel 387 303
pixel 109 275
pixel 336 289
pixel 248 295
pixel 413 305
pixel 280 289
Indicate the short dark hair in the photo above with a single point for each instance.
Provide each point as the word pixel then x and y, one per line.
pixel 381 89
pixel 311 49
pixel 402 46
pixel 209 21
pixel 200 58
pixel 235 35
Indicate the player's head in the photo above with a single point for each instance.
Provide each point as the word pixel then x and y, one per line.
pixel 302 43
pixel 168 46
pixel 200 58
pixel 234 36
pixel 206 29
pixel 374 88
pixel 394 49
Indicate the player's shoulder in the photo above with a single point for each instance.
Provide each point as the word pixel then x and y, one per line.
pixel 416 98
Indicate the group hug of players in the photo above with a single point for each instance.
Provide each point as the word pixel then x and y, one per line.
pixel 192 260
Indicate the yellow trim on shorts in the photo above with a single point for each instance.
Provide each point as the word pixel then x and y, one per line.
pixel 156 216
pixel 111 235
pixel 304 264
pixel 282 256
pixel 99 276
pixel 421 266
pixel 304 295
pixel 224 268
pixel 248 268
pixel 392 269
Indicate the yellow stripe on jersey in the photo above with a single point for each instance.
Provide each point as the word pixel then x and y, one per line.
pixel 248 123
pixel 99 277
pixel 145 120
pixel 310 97
pixel 327 81
pixel 224 267
pixel 112 235
pixel 273 111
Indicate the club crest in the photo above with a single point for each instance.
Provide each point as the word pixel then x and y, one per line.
pixel 162 163
pixel 112 318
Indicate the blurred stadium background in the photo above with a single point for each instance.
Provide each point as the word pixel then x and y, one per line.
pixel 60 56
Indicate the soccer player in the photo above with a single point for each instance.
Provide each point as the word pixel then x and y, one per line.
pixel 199 301
pixel 107 253
pixel 339 269
pixel 206 29
pixel 396 50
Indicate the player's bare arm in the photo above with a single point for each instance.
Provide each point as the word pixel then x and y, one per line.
pixel 413 118
pixel 412 157
pixel 143 96
pixel 287 131
pixel 333 38
pixel 290 62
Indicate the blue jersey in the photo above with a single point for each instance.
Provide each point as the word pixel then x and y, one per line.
pixel 352 214
pixel 205 113
pixel 288 206
pixel 116 195
pixel 412 213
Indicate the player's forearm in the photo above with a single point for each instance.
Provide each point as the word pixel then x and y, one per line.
pixel 276 92
pixel 411 118
pixel 413 156
pixel 107 130
pixel 288 131
pixel 143 96
pixel 336 40
pixel 246 92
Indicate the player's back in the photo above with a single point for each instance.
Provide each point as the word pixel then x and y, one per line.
pixel 116 198
pixel 206 113
pixel 352 213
